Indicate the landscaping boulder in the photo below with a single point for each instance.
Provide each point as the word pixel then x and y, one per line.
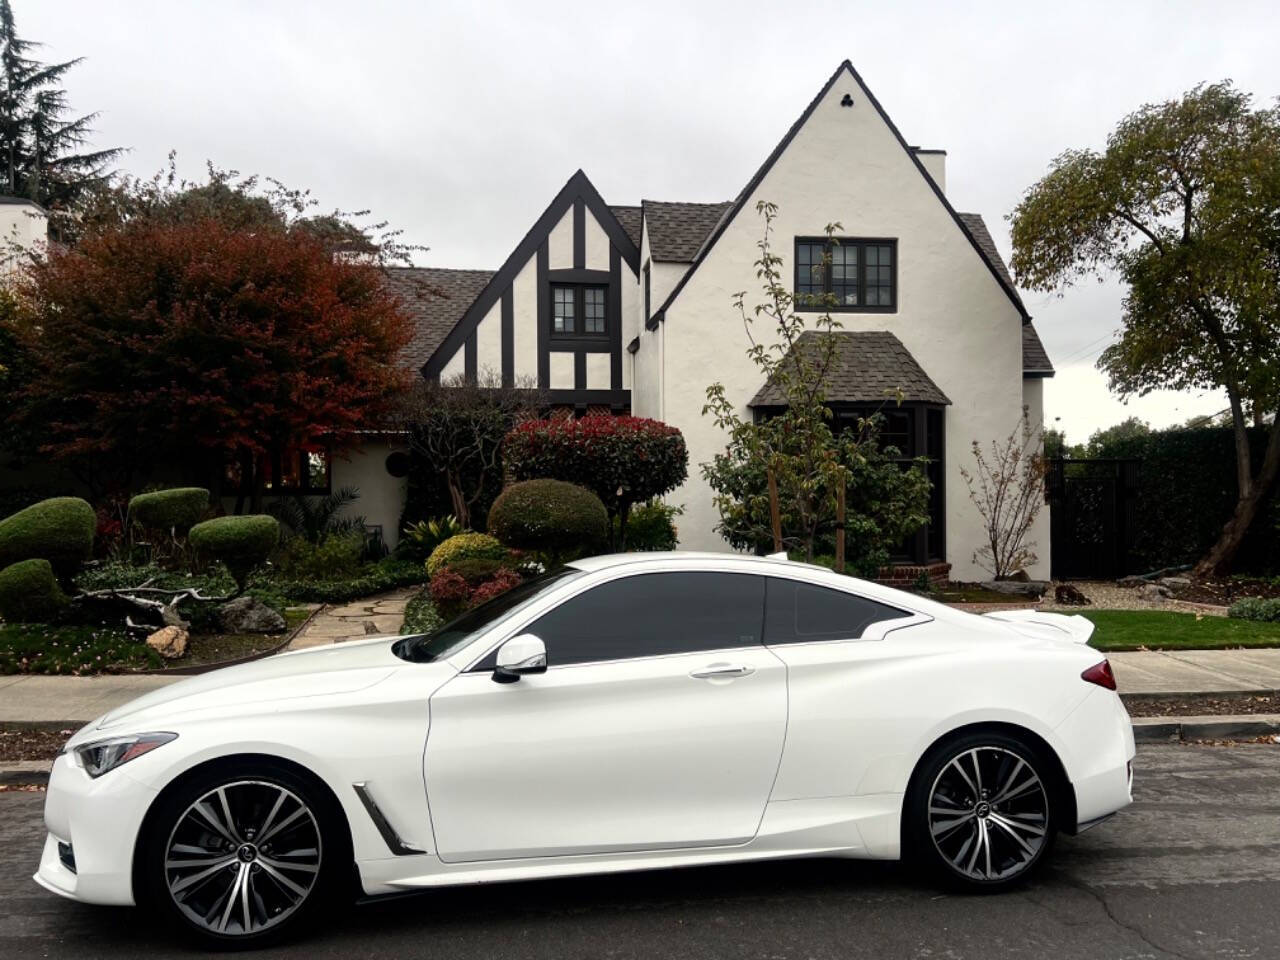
pixel 1070 596
pixel 249 615
pixel 1018 588
pixel 1153 593
pixel 169 642
pixel 1175 583
pixel 1131 581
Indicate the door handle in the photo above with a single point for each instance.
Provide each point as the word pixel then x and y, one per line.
pixel 722 671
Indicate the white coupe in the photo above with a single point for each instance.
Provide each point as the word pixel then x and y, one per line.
pixel 622 713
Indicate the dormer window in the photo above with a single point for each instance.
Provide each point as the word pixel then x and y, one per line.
pixel 579 310
pixel 860 274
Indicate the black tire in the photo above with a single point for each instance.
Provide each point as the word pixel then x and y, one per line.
pixel 205 880
pixel 958 815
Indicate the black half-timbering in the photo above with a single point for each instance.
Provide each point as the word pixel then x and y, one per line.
pixel 579 311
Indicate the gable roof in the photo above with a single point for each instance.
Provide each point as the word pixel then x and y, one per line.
pixel 677 230
pixel 629 218
pixel 435 300
pixel 869 366
pixel 978 228
pixel 754 182
pixel 578 187
pixel 1035 359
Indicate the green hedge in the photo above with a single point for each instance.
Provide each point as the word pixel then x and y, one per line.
pixel 29 592
pixel 58 530
pixel 1187 492
pixel 1256 608
pixel 551 517
pixel 178 509
pixel 387 574
pixel 241 544
pixel 465 546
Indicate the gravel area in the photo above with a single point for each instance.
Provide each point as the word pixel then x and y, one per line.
pixel 1107 596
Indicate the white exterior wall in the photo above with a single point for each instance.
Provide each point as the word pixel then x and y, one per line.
pixel 1033 400
pixel 24 227
pixel 382 496
pixel 845 165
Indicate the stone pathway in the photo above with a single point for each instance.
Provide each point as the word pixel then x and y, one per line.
pixel 372 616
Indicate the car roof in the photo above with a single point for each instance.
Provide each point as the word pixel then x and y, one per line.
pixel 655 557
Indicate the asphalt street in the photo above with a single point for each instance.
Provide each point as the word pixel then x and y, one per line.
pixel 1191 870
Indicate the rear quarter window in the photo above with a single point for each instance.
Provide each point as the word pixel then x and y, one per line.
pixel 797 612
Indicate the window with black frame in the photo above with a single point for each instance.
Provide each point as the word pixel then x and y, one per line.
pixel 846 274
pixel 914 431
pixel 579 310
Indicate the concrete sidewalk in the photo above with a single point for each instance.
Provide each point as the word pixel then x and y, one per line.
pixel 75 700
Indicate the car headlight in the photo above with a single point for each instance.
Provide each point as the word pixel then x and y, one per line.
pixel 102 755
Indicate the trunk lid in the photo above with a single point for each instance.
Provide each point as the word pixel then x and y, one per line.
pixel 1046 626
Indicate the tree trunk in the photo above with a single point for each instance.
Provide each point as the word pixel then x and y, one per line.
pixel 460 508
pixel 1253 492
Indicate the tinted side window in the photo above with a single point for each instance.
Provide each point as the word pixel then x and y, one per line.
pixel 654 614
pixel 800 613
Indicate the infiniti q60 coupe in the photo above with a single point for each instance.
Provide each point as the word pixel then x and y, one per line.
pixel 621 713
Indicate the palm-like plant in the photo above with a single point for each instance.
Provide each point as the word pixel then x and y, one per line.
pixel 316 518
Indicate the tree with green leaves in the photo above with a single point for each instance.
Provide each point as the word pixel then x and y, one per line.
pixel 41 145
pixel 1182 206
pixel 809 460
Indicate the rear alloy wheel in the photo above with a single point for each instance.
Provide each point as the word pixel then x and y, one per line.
pixel 240 860
pixel 982 812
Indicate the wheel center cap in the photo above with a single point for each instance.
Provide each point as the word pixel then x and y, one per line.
pixel 982 809
pixel 247 853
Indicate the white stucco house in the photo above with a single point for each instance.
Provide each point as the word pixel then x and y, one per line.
pixel 629 309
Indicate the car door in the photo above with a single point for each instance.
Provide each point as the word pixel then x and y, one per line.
pixel 659 723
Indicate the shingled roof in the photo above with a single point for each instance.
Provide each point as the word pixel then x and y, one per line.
pixel 677 230
pixel 629 217
pixel 869 367
pixel 978 227
pixel 435 299
pixel 1035 360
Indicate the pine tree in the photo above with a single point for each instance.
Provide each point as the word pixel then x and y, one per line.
pixel 38 158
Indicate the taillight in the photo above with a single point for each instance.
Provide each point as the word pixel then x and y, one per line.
pixel 1100 673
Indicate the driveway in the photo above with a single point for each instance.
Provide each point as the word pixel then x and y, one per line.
pixel 1191 870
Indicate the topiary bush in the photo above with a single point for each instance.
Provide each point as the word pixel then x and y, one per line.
pixel 241 544
pixel 59 530
pixel 1256 608
pixel 476 570
pixel 465 546
pixel 174 511
pixel 551 517
pixel 623 460
pixel 29 592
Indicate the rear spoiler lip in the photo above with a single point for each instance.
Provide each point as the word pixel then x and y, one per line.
pixel 1077 628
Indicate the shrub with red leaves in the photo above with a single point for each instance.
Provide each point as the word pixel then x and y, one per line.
pixel 623 460
pixel 502 581
pixel 450 593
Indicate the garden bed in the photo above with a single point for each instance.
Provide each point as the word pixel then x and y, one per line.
pixel 89 650
pixel 1225 592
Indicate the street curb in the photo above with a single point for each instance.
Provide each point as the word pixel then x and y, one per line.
pixel 1165 729
pixel 1147 697
pixel 24 772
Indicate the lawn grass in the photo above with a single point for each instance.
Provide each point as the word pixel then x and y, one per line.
pixel 1164 630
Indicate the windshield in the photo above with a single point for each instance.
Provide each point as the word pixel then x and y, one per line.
pixel 457 633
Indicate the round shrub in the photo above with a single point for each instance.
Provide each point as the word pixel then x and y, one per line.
pixel 476 570
pixel 177 510
pixel 1256 608
pixel 58 530
pixel 240 543
pixel 551 517
pixel 29 592
pixel 465 546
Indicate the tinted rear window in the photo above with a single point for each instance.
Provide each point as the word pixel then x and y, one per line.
pixel 798 612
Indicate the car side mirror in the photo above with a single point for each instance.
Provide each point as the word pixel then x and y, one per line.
pixel 525 654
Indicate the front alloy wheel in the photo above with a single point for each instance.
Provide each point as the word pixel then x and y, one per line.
pixel 241 859
pixel 982 812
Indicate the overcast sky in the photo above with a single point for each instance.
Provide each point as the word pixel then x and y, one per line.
pixel 459 121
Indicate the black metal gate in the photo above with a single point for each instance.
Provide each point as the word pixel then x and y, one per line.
pixel 1091 517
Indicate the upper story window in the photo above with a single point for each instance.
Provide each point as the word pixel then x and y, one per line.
pixel 579 310
pixel 858 274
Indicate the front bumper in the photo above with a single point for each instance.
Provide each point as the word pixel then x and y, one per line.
pixel 99 821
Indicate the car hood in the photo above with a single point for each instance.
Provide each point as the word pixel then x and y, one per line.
pixel 331 669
